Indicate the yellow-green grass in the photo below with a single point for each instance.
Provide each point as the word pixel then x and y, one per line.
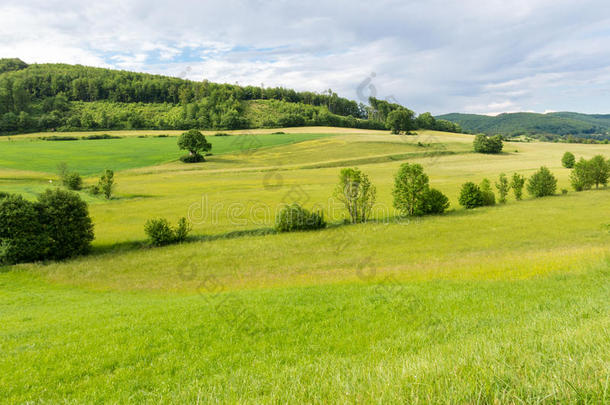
pixel 504 304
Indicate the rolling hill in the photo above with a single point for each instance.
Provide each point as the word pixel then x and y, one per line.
pixel 550 126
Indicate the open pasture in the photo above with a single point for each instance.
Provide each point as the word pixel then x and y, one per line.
pixel 503 304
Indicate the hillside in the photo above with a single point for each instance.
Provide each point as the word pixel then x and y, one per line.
pixel 551 126
pixel 50 97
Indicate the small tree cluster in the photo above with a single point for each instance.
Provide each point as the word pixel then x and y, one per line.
pixel 485 144
pixel 71 180
pixel 194 142
pixel 295 218
pixel 357 193
pixel 587 173
pixel 105 185
pixel 401 120
pixel 56 226
pixel 472 195
pixel 161 233
pixel 413 195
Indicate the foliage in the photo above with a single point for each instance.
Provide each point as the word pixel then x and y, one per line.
pixel 487 193
pixel 600 169
pixel 485 144
pixel 161 233
pixel 106 184
pixel 587 173
pixel 194 142
pixel 542 183
pixel 66 222
pixel 22 235
pixel 73 181
pixel 401 120
pixel 568 160
pixel 435 202
pixel 357 193
pixel 411 186
pixel 563 126
pixel 471 196
pixel 295 218
pixel 197 158
pixel 503 187
pixel 517 183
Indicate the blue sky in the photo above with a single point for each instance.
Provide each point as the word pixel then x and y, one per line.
pixel 439 56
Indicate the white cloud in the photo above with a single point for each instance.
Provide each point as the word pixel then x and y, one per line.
pixel 474 55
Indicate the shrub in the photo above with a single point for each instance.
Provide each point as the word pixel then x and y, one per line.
pixel 192 158
pixel 357 193
pixel 73 181
pixel 471 196
pixel 22 238
pixel 221 134
pixel 410 189
pixel 59 138
pixel 435 202
pixel 516 183
pixel 600 170
pixel 485 144
pixel 488 195
pixel 295 218
pixel 542 183
pixel 564 191
pixel 160 232
pixel 568 160
pixel 102 136
pixel 65 219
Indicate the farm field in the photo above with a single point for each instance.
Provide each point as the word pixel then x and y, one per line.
pixel 502 304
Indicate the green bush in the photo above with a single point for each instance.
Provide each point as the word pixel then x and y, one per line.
pixel 485 144
pixel 435 202
pixel 22 237
pixel 489 198
pixel 516 183
pixel 296 218
pixel 357 193
pixel 192 158
pixel 542 183
pixel 471 196
pixel 65 219
pixel 161 233
pixel 73 181
pixel 105 185
pixel 411 185
pixel 568 160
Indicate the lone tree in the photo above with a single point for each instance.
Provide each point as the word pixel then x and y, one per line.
pixel 485 144
pixel 582 177
pixel 193 141
pixel 410 189
pixel 600 170
pixel 568 160
pixel 357 193
pixel 516 183
pixel 542 183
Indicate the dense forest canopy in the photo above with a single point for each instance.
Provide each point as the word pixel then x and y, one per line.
pixel 550 126
pixel 65 97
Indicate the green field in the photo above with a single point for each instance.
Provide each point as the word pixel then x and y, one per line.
pixel 503 304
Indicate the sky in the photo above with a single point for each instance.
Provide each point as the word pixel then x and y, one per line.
pixel 469 56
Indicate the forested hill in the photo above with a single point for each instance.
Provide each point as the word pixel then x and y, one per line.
pixel 41 97
pixel 549 126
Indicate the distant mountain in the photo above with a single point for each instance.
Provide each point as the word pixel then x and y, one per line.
pixel 543 126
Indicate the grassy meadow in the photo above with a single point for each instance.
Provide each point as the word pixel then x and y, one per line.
pixel 503 304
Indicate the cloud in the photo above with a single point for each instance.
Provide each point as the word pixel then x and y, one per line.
pixel 438 56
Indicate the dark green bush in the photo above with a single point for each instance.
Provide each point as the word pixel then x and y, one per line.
pixel 100 136
pixel 435 202
pixel 221 134
pixel 568 160
pixel 22 237
pixel 192 158
pixel 489 198
pixel 485 144
pixel 59 138
pixel 471 196
pixel 65 219
pixel 296 218
pixel 161 233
